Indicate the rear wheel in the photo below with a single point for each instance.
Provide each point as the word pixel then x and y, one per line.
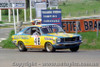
pixel 49 47
pixel 74 49
pixel 21 47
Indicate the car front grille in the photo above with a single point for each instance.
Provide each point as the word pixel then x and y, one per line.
pixel 69 39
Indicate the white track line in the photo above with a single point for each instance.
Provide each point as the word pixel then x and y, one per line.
pixel 1 39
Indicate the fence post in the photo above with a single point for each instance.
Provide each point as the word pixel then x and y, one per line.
pixel 0 15
pixel 17 15
pixel 70 14
pixel 94 11
pixel 30 11
pixel 25 14
pixel 9 13
pixel 86 12
pixel 76 27
pixel 79 13
pixel 97 28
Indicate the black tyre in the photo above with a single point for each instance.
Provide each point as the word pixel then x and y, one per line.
pixel 21 47
pixel 44 50
pixel 74 49
pixel 49 47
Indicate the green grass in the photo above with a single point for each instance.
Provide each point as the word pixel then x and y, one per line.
pixel 8 43
pixel 6 20
pixel 90 40
pixel 74 7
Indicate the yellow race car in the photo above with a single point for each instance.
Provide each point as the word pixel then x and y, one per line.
pixel 48 37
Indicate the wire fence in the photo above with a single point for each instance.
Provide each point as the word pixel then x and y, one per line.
pixel 83 13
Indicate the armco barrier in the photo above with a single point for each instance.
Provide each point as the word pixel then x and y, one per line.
pixel 84 25
pixel 11 24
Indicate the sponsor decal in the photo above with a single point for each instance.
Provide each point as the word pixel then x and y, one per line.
pixel 84 25
pixel 28 46
pixel 36 40
pixel 14 41
pixel 21 37
pixel 46 38
pixel 51 16
pixel 7 4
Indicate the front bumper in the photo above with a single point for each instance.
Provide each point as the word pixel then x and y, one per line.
pixel 70 43
pixel 14 43
pixel 67 45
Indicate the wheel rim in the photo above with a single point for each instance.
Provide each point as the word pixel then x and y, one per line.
pixel 20 46
pixel 49 47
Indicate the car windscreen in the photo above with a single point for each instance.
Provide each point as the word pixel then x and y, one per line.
pixel 51 29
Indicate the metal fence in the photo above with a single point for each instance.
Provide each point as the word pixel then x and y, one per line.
pixel 83 13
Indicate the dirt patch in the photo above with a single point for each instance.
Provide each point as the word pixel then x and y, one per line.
pixel 93 42
pixel 85 41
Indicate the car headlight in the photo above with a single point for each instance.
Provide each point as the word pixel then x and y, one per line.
pixel 58 40
pixel 80 37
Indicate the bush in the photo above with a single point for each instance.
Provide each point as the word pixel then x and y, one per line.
pixel 27 14
pixel 1 22
pixel 8 43
pixel 4 12
pixel 64 3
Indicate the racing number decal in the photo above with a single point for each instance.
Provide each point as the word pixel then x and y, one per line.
pixel 36 40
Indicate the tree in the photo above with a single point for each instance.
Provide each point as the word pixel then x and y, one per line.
pixel 27 3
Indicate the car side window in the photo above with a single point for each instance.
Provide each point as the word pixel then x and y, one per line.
pixel 35 31
pixel 28 31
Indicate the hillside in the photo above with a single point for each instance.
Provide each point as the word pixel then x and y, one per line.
pixel 70 8
pixel 80 8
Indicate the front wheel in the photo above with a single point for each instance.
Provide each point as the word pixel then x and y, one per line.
pixel 49 47
pixel 74 49
pixel 21 47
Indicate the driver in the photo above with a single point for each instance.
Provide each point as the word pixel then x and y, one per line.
pixel 35 33
pixel 55 30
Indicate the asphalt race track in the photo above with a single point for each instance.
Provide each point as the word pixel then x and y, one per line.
pixel 4 33
pixel 38 58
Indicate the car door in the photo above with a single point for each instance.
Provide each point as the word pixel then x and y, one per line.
pixel 33 41
pixel 37 37
pixel 29 41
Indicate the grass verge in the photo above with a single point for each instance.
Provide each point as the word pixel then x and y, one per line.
pixel 90 40
pixel 8 43
pixel 80 8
